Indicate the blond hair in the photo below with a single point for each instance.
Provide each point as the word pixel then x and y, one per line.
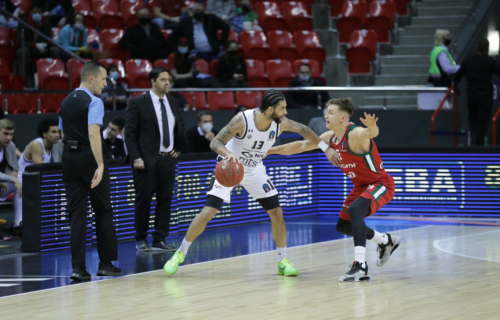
pixel 7 124
pixel 344 104
pixel 439 36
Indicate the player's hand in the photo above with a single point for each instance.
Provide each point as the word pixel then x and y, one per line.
pixel 18 186
pixel 370 120
pixel 174 153
pixel 139 165
pixel 209 135
pixel 97 177
pixel 232 157
pixel 333 156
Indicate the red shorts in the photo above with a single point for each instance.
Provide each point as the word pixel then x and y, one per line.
pixel 380 193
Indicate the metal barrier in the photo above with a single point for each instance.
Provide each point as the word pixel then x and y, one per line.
pixel 495 117
pixel 454 133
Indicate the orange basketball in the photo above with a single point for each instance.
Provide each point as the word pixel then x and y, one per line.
pixel 229 173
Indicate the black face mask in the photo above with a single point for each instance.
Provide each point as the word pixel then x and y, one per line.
pixel 198 15
pixel 232 53
pixel 246 8
pixel 447 42
pixel 144 21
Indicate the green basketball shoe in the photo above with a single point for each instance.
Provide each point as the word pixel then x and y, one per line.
pixel 171 266
pixel 285 268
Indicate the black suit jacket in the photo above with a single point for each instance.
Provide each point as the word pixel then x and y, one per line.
pixel 302 99
pixel 140 45
pixel 211 24
pixel 142 131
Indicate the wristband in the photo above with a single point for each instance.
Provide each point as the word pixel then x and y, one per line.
pixel 323 146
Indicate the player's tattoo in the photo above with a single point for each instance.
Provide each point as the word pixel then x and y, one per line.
pixel 235 127
pixel 292 126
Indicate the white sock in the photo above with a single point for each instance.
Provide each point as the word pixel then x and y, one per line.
pixel 359 255
pixel 281 253
pixel 185 246
pixel 18 209
pixel 380 238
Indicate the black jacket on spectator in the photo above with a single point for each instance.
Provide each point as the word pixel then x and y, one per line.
pixel 478 70
pixel 114 150
pixel 211 24
pixel 141 46
pixel 226 71
pixel 197 142
pixel 302 99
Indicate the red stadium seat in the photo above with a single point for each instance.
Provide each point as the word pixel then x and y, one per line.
pixel 281 45
pixel 381 19
pixel 51 75
pixel 202 66
pixel 270 17
pixel 107 14
pixel 165 63
pixel 7 50
pixel 51 102
pixel 316 68
pixel 197 99
pixel 402 7
pixel 307 43
pixel 76 69
pixel 25 103
pixel 353 16
pixel 250 99
pixel 280 72
pixel 254 46
pixel 110 39
pixel 138 72
pixel 24 5
pixel 85 7
pixel 256 74
pixel 297 16
pixel 336 6
pixel 9 82
pixel 129 10
pixel 363 49
pixel 213 67
pixel 220 100
pixel 232 35
pixel 119 63
pixel 166 33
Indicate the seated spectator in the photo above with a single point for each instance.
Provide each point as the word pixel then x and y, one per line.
pixel 224 9
pixel 306 99
pixel 241 108
pixel 162 20
pixel 57 11
pixel 199 137
pixel 8 165
pixel 46 148
pixel 5 21
pixel 248 18
pixel 318 124
pixel 145 40
pixel 121 93
pixel 34 46
pixel 201 33
pixel 73 37
pixel 231 68
pixel 183 70
pixel 114 148
pixel 2 113
pixel 177 95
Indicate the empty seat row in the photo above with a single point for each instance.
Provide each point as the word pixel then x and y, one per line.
pixel 9 82
pixel 109 13
pixel 290 15
pixel 336 6
pixel 218 100
pixel 29 102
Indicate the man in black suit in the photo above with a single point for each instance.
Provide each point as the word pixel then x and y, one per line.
pixel 154 134
pixel 306 99
pixel 114 147
pixel 145 40
pixel 201 32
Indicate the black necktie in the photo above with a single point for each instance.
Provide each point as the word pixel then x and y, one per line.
pixel 164 120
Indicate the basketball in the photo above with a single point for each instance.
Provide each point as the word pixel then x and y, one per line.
pixel 229 173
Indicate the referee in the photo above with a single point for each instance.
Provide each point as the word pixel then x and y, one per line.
pixel 84 171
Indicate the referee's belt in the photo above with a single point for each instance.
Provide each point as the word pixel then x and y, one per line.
pixel 163 154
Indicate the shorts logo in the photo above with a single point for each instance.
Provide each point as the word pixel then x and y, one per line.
pixel 271 134
pixel 266 187
pixel 371 186
pixel 249 136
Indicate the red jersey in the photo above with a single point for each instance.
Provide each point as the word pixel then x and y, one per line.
pixel 363 169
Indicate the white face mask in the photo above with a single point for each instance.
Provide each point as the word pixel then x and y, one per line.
pixel 304 78
pixel 115 75
pixel 36 17
pixel 207 127
pixel 183 50
pixel 78 26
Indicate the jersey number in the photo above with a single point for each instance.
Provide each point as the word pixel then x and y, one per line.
pixel 258 145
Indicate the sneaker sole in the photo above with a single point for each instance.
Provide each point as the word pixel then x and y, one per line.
pixel 367 278
pixel 169 273
pixel 143 250
pixel 104 273
pixel 164 250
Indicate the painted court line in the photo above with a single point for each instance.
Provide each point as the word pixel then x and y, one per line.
pixel 9 285
pixel 24 279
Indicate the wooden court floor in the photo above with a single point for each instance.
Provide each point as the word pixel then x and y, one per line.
pixel 440 271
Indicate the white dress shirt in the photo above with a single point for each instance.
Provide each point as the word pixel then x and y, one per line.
pixel 200 37
pixel 171 120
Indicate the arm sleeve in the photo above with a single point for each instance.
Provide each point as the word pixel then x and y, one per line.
pixel 96 112
pixel 60 124
pixel 446 65
pixel 64 40
pixel 223 73
pixel 4 178
pixel 125 41
pixel 85 35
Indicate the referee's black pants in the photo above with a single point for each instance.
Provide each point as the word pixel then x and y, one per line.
pixel 159 179
pixel 479 118
pixel 78 170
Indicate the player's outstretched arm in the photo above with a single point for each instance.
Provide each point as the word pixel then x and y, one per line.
pixel 235 127
pixel 299 146
pixel 371 130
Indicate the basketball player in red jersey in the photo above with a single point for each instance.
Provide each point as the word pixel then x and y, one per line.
pixel 373 186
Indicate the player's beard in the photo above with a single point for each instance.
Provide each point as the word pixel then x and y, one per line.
pixel 276 118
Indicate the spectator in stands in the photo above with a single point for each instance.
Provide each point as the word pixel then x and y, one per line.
pixel 479 70
pixel 231 68
pixel 57 11
pixel 34 45
pixel 178 96
pixel 306 99
pixel 145 40
pixel 201 33
pixel 199 137
pixel 121 93
pixel 241 108
pixel 1 107
pixel 73 37
pixel 184 70
pixel 114 148
pixel 6 22
pixel 250 19
pixel 442 64
pixel 318 124
pixel 162 20
pixel 224 9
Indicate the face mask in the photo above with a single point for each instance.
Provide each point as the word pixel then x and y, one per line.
pixel 183 50
pixel 304 77
pixel 246 8
pixel 115 75
pixel 78 26
pixel 206 127
pixel 36 17
pixel 198 15
pixel 144 21
pixel 232 53
pixel 447 42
